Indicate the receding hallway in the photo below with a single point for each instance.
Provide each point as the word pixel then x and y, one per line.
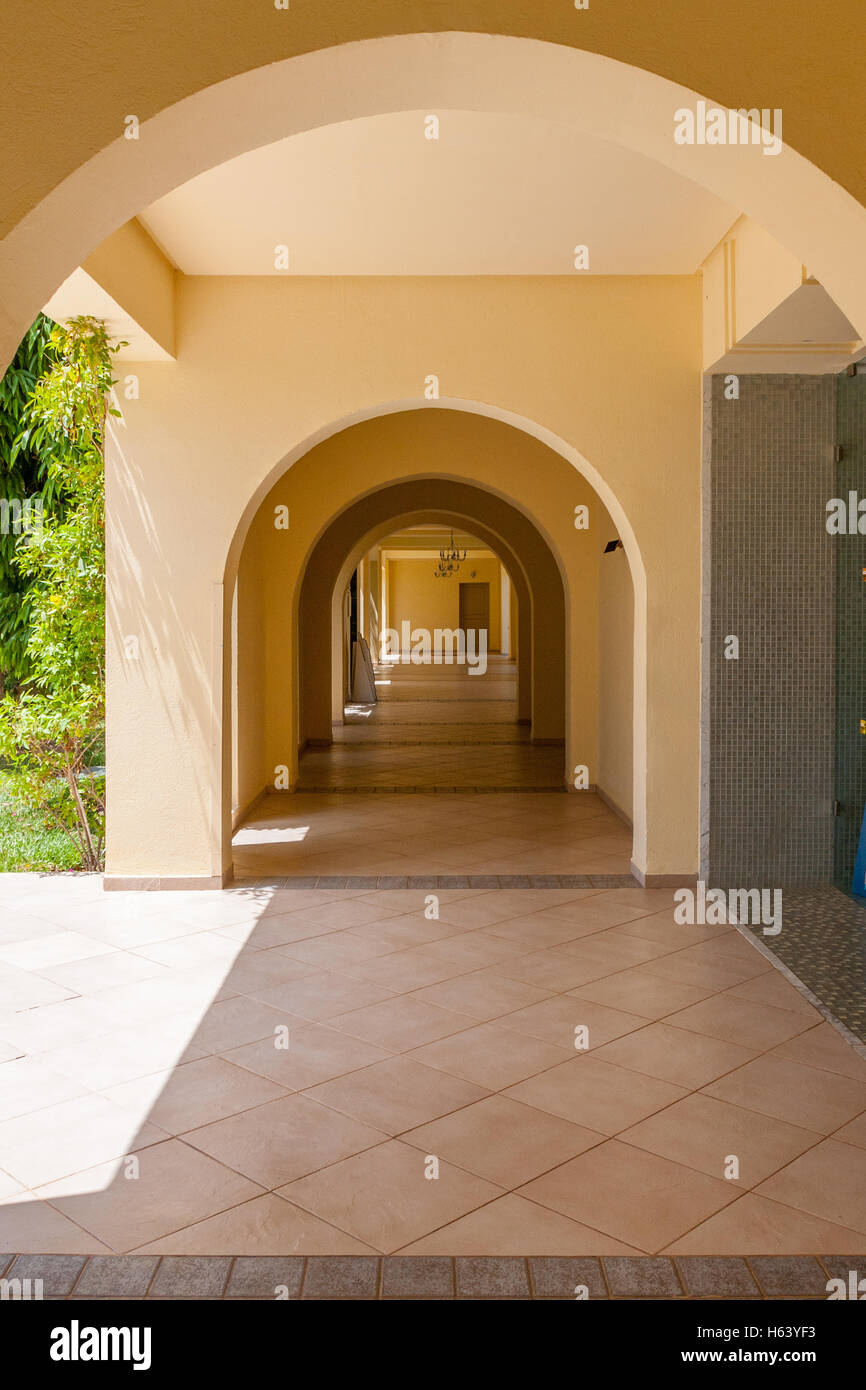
pixel 435 728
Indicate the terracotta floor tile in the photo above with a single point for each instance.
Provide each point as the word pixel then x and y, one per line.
pixel 482 997
pixel 176 1186
pixel 401 1023
pixel 823 1047
pixel 514 1226
pixel 317 997
pixel 774 989
pixel 503 1141
pixel 555 1021
pixel 596 1094
pixel 197 1093
pixel 38 1228
pixel 634 1196
pixel 396 1095
pixel 806 1096
pixel 383 1198
pixel 315 1053
pixel 267 1225
pixel 407 970
pixel 490 1056
pixel 829 1182
pixel 702 1133
pixel 854 1132
pixel 284 1139
pixel 638 992
pixel 754 1225
pixel 672 1054
pixel 742 1021
pixel 714 972
pixel 552 969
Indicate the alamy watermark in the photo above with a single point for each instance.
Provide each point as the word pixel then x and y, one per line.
pixel 716 125
pixel 443 646
pixel 21 518
pixel 714 907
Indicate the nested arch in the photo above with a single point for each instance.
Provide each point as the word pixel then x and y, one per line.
pixel 343 466
pixel 540 591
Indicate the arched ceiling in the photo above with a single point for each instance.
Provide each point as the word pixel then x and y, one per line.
pixel 493 194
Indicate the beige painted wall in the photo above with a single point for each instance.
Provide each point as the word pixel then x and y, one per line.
pixel 615 680
pixel 422 600
pixel 607 370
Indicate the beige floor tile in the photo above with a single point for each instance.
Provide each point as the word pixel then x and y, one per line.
pixel 829 1182
pixel 818 1100
pixel 596 1094
pixel 26 1085
pixel 672 1054
pixel 556 1021
pixel 408 970
pixel 637 992
pixel 285 1139
pixel 324 996
pixel 176 1186
pixel 63 1139
pixel 267 1225
pixel 600 911
pixel 401 1023
pixel 703 1133
pixel 825 1048
pixel 677 936
pixel 741 1021
pixel 503 1141
pixel 315 1053
pixel 399 1203
pixel 475 949
pixel 235 1022
pixel 514 1226
pixel 540 930
pixel 43 952
pixel 490 1056
pixel 552 969
pixel 698 969
pixel 39 1229
pixel 482 997
pixel 854 1132
pixel 636 1197
pixel 756 1226
pixel 396 1095
pixel 198 1093
pixel 125 1053
pixel 774 989
pixel 614 952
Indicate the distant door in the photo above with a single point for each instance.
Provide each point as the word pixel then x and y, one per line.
pixel 475 610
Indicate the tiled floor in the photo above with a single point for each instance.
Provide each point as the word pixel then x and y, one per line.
pixel 343 1073
pixel 435 728
pixel 325 834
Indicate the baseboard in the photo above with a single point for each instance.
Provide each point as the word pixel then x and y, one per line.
pixel 617 810
pixel 118 883
pixel 240 813
pixel 663 880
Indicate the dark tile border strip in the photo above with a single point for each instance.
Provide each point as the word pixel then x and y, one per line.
pixel 369 1277
pixel 372 882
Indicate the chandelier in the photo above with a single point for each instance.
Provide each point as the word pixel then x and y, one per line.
pixel 450 560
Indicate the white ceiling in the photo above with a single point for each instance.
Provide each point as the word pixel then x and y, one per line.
pixel 494 195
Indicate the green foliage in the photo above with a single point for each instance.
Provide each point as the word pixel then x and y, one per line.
pixel 23 476
pixel 51 729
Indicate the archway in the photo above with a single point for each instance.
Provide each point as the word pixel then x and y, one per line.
pixel 563 694
pixel 804 208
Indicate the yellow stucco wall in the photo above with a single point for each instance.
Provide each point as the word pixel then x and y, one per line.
pixel 606 370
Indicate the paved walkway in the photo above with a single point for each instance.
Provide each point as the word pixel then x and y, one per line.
pixel 267 1072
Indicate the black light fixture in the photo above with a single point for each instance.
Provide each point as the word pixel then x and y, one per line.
pixel 611 546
